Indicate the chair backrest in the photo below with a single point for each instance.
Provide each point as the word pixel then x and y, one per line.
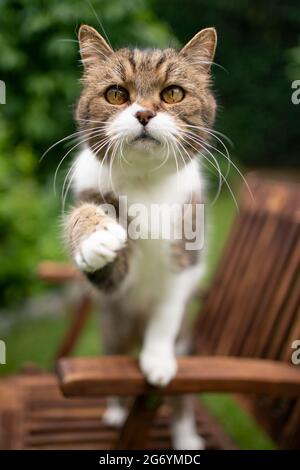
pixel 253 306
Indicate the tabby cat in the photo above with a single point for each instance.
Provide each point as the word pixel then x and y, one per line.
pixel 144 117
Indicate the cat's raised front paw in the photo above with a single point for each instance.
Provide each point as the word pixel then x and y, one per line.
pixel 159 369
pixel 101 247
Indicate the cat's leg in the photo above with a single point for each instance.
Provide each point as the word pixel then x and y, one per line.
pixel 157 358
pixel 115 413
pixel 184 433
pixel 118 338
pixel 97 243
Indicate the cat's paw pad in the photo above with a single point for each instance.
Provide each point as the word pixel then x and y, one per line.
pixel 188 441
pixel 101 247
pixel 159 369
pixel 115 416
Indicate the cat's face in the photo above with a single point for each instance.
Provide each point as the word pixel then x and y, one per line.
pixel 153 101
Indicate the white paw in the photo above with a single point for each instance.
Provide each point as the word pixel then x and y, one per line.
pixel 101 247
pixel 159 369
pixel 115 416
pixel 188 442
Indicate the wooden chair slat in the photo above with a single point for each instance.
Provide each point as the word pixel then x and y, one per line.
pixel 41 430
pixel 58 272
pixel 290 327
pixel 259 295
pixel 215 303
pixel 266 315
pixel 290 432
pixel 252 308
pixel 242 288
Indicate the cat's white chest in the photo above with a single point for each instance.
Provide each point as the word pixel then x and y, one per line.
pixel 150 272
pixel 145 194
pixel 151 263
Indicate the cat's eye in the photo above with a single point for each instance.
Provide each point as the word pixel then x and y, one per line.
pixel 116 95
pixel 172 94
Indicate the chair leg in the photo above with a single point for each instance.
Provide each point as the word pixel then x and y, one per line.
pixel 135 432
pixel 11 411
pixel 78 321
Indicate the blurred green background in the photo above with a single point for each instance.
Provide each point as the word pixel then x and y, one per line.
pixel 259 47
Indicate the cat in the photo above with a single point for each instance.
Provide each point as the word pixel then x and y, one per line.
pixel 144 117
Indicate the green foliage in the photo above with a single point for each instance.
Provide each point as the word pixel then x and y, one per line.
pixel 37 340
pixel 293 67
pixel 254 94
pixel 28 225
pixel 237 422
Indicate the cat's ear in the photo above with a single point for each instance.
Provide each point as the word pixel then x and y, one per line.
pixel 92 46
pixel 201 48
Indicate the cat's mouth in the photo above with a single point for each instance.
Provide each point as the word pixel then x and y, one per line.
pixel 144 136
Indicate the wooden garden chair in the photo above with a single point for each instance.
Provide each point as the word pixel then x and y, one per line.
pixel 242 343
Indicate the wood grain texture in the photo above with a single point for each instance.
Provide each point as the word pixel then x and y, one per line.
pixel 120 375
pixel 253 306
pixel 35 415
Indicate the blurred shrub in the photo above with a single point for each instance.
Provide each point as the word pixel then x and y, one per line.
pixel 255 110
pixel 28 225
pixel 293 67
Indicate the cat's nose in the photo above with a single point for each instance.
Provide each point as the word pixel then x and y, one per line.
pixel 144 116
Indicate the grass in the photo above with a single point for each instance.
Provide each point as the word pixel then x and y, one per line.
pixel 37 340
pixel 237 423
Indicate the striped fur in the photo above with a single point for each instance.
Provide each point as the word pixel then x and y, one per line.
pixel 145 283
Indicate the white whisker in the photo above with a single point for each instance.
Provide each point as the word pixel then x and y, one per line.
pixel 65 156
pixel 216 167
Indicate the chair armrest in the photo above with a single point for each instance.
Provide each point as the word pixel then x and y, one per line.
pixel 58 272
pixel 120 375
